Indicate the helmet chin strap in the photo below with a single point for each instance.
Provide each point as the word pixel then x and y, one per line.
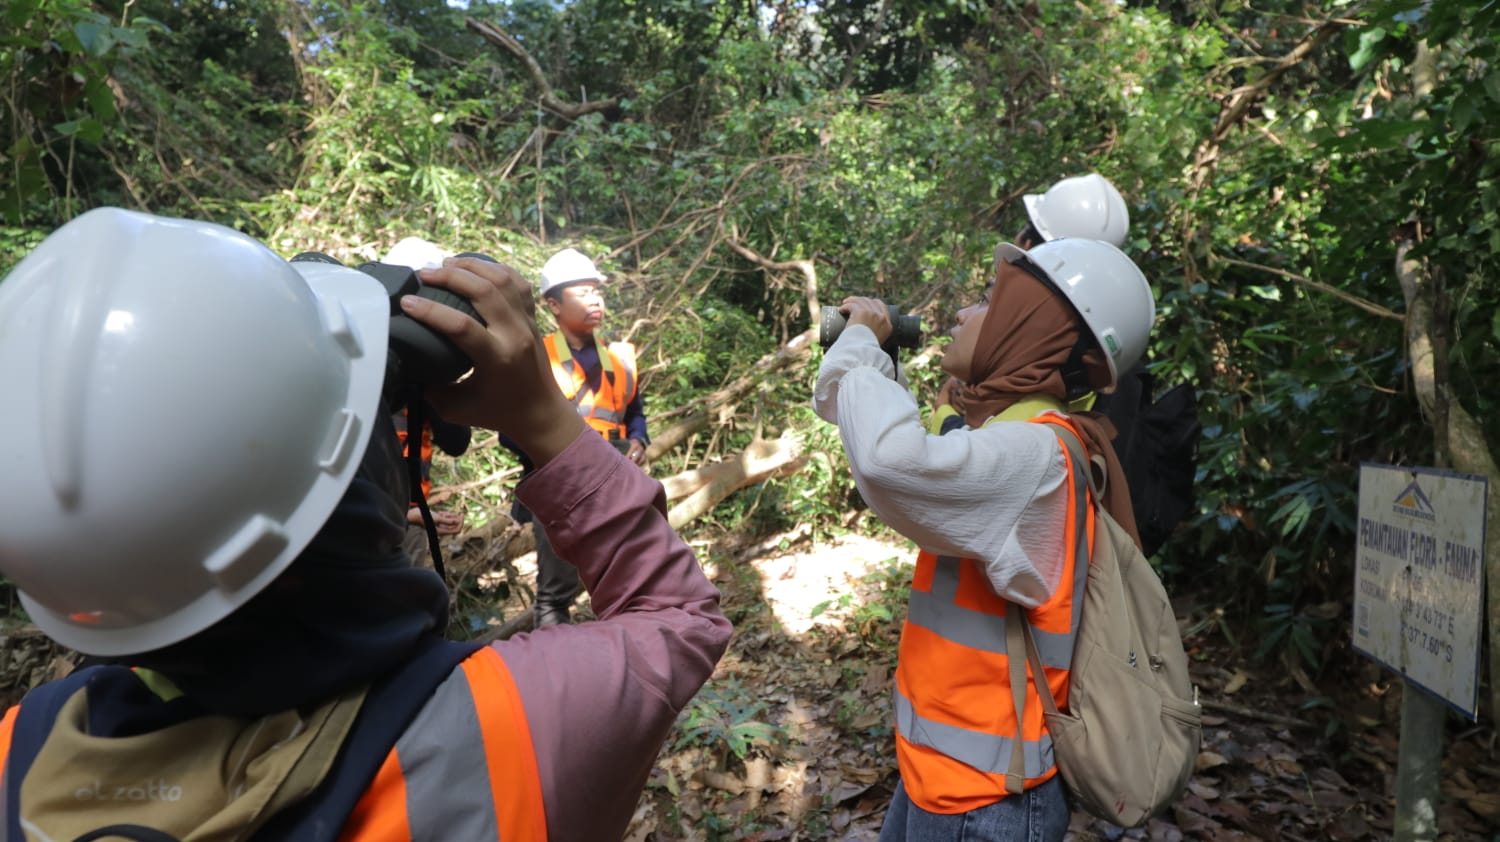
pixel 416 420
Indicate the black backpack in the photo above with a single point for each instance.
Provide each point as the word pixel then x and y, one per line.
pixel 1158 449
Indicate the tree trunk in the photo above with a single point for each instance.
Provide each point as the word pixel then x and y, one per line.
pixel 1459 439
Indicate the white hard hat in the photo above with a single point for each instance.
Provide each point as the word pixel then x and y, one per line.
pixel 416 253
pixel 185 411
pixel 567 267
pixel 1085 206
pixel 1106 288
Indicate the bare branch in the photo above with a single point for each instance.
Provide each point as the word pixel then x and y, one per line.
pixel 806 267
pixel 548 98
pixel 1368 306
pixel 1239 101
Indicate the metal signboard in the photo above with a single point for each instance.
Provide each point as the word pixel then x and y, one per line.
pixel 1419 577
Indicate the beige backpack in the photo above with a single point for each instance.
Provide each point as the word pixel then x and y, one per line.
pixel 1129 740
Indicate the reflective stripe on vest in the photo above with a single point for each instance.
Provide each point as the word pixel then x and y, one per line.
pixel 464 769
pixel 7 728
pixel 604 410
pixel 955 719
pixel 977 749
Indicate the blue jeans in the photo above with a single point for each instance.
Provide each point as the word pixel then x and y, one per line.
pixel 1039 814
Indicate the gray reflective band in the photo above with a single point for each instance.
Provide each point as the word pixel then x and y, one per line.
pixel 986 752
pixel 585 400
pixel 629 383
pixel 609 415
pixel 442 757
pixel 935 611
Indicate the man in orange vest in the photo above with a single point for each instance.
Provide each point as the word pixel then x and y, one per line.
pixel 1000 511
pixel 601 382
pixel 269 663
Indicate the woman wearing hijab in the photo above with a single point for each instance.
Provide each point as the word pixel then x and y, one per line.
pixel 1002 517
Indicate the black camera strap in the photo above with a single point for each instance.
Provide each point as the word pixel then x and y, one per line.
pixel 416 422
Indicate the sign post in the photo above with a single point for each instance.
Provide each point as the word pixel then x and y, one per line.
pixel 1418 592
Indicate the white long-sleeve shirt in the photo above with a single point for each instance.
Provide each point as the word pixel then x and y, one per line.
pixel 997 494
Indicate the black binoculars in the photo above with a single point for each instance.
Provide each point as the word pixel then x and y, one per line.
pixel 906 329
pixel 417 356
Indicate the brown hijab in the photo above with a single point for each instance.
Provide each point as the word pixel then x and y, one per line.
pixel 1027 335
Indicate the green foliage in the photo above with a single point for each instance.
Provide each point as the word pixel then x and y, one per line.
pixel 887 144
pixel 59 58
pixel 726 717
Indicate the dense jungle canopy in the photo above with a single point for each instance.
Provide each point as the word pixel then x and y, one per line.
pixel 1314 188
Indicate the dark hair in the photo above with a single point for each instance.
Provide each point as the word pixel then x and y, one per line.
pixel 1029 237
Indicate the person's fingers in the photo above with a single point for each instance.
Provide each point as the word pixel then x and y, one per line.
pixel 486 285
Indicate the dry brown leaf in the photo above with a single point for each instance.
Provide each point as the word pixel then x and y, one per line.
pixel 1209 759
pixel 1287 766
pixel 642 826
pixel 1350 826
pixel 721 781
pixel 1484 804
pixel 1235 682
pixel 863 774
pixel 1204 791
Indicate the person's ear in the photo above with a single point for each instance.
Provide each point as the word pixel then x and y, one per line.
pixel 552 304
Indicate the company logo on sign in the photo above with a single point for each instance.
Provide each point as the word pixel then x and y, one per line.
pixel 1412 502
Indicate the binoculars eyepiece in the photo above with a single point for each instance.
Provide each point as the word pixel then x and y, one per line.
pixel 906 329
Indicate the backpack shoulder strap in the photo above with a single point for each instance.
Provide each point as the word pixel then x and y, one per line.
pixel 389 707
pixel 1020 643
pixel 33 723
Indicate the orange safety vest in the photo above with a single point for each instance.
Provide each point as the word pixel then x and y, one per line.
pixel 603 410
pixel 427 787
pixel 955 717
pixel 426 454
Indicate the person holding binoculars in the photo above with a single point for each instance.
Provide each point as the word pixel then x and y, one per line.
pixel 214 510
pixel 995 508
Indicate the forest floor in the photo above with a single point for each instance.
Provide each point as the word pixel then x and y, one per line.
pixel 791 739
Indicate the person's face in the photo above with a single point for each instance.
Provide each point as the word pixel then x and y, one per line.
pixel 578 307
pixel 958 359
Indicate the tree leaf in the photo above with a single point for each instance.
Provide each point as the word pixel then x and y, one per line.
pixel 1369 48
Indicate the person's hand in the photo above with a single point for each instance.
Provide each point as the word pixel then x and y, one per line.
pixel 637 452
pixel 511 389
pixel 447 523
pixel 945 392
pixel 870 312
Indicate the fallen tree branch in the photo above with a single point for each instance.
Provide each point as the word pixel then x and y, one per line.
pixel 668 440
pixel 502 540
pixel 760 461
pixel 547 97
pixel 798 349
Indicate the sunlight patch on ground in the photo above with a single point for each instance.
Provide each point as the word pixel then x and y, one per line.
pixel 795 585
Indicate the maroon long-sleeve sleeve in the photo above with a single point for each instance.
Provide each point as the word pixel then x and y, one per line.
pixel 600 696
